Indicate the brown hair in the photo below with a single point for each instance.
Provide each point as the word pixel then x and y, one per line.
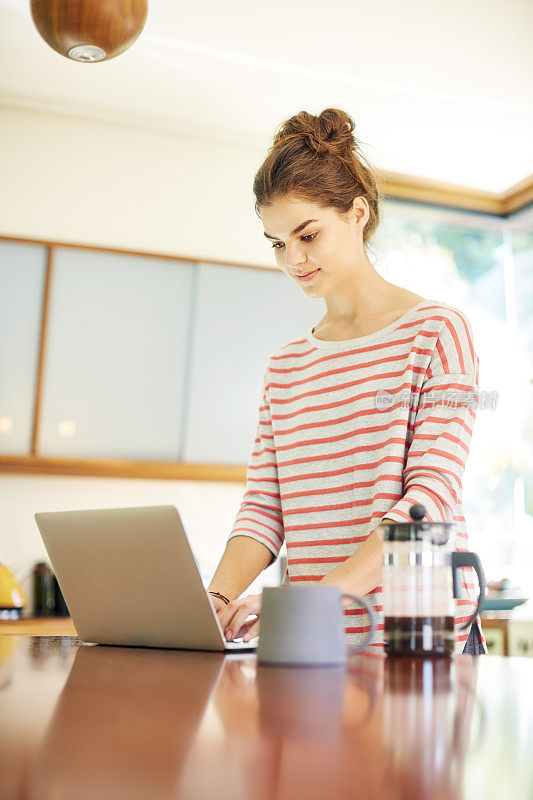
pixel 316 158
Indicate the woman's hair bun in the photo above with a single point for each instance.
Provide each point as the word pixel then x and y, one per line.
pixel 331 131
pixel 317 158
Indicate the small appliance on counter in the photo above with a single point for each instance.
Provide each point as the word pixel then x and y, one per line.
pixel 12 598
pixel 48 601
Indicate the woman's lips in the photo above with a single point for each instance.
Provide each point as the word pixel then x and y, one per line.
pixel 309 276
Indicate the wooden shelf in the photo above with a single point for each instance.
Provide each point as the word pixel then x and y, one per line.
pixel 122 468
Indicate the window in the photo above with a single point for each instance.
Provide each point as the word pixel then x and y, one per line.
pixel 482 265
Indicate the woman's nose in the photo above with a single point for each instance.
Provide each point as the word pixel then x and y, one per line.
pixel 294 256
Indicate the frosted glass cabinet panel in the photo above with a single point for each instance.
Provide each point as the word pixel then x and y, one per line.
pixel 241 317
pixel 116 356
pixel 22 273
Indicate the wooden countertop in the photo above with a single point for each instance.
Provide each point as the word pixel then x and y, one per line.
pixel 38 626
pixel 83 721
pixel 63 626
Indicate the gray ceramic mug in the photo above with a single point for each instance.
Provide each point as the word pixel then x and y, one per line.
pixel 305 625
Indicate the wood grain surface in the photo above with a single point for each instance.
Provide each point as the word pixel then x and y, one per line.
pixel 86 721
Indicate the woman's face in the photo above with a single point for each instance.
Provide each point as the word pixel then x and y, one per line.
pixel 330 244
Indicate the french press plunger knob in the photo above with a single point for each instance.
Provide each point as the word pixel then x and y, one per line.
pixel 417 512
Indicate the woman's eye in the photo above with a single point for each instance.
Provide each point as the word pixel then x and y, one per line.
pixel 307 238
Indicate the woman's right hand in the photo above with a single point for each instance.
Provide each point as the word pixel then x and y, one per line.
pixel 233 615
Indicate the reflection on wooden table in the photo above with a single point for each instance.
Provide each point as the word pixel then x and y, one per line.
pixel 96 722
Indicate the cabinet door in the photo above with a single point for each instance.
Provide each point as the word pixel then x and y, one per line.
pixel 241 317
pixel 116 356
pixel 494 639
pixel 22 273
pixel 521 637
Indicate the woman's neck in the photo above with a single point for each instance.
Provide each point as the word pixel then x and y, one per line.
pixel 363 293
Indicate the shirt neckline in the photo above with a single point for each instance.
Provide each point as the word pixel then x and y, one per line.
pixel 344 344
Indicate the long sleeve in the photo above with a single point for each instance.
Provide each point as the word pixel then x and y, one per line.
pixel 443 424
pixel 260 514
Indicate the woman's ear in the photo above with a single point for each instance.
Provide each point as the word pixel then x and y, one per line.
pixel 360 210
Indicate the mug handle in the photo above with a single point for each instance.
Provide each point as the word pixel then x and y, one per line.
pixel 372 616
pixel 463 559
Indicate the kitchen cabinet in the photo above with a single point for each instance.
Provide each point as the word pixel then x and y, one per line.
pixel 241 316
pixel 116 356
pixel 145 360
pixel 521 638
pixel 496 637
pixel 22 276
pixel 508 633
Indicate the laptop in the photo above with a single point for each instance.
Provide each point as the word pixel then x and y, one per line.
pixel 130 578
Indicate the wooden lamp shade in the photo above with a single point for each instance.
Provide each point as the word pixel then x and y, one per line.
pixel 89 30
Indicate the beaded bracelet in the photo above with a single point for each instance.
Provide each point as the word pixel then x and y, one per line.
pixel 222 597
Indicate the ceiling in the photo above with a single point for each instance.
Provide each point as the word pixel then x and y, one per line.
pixel 439 91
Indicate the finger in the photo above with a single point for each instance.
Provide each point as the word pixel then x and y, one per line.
pixel 245 626
pixel 237 611
pixel 249 606
pixel 228 612
pixel 250 629
pixel 236 624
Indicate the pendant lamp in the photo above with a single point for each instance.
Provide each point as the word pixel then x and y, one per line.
pixel 89 30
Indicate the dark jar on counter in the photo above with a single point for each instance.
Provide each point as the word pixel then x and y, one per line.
pixel 43 590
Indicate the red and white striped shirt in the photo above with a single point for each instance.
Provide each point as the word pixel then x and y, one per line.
pixel 346 436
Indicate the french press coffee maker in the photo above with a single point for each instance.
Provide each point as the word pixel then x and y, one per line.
pixel 421 581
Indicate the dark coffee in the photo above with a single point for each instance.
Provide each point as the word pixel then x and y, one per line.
pixel 419 636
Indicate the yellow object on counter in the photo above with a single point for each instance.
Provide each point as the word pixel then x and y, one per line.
pixel 11 594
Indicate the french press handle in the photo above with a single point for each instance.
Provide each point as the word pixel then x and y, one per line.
pixel 468 560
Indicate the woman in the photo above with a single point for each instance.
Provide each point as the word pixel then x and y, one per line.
pixel 340 447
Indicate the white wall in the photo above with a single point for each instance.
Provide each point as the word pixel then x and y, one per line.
pixel 73 180
pixel 90 182
pixel 208 511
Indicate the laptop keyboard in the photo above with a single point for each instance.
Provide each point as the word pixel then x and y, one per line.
pixel 238 644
